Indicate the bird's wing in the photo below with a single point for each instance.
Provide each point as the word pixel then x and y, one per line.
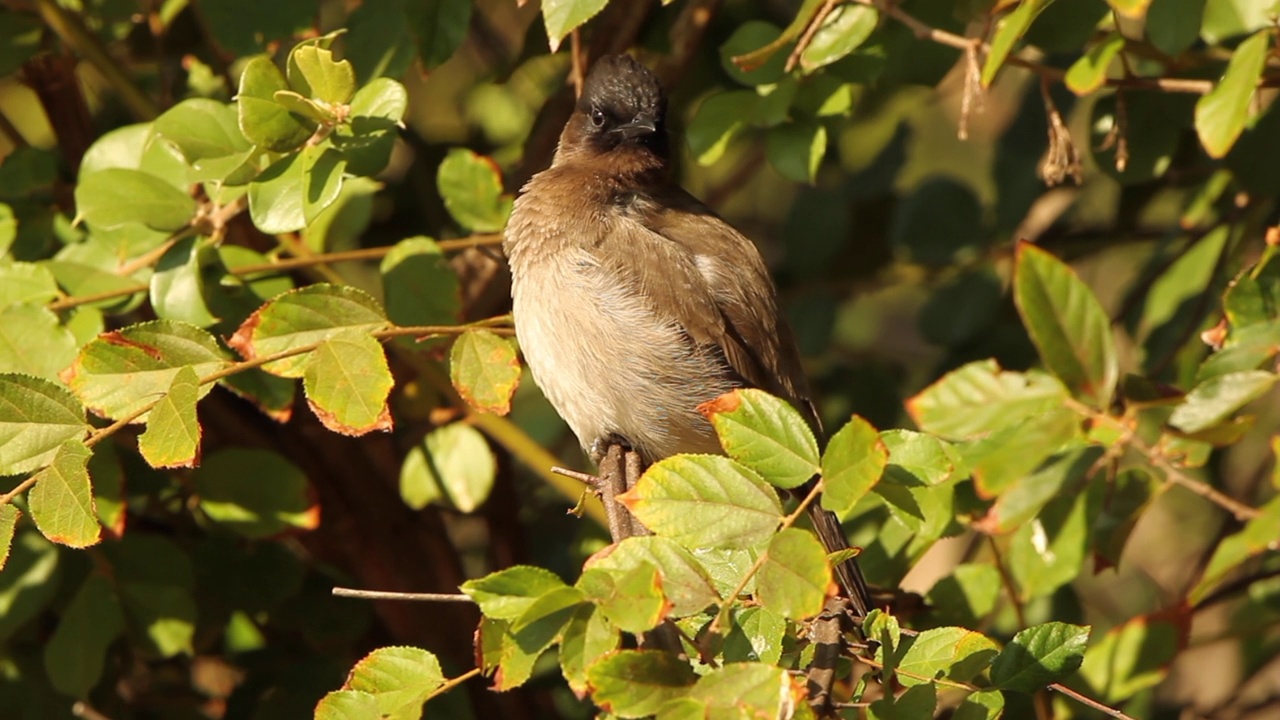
pixel 711 280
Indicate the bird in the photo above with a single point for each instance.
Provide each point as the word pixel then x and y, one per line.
pixel 634 302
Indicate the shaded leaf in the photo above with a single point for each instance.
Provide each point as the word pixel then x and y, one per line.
pixel 34 342
pixel 1040 655
pixel 1132 657
pixel 1089 73
pixel 440 28
pixel 1009 30
pixel 636 683
pixel 264 121
pixel 419 286
pixel 718 119
pixel 631 598
pixel 685 582
pixel 8 521
pixel 1215 399
pixel 471 186
pixel 453 464
pixel 1221 113
pixel 796 149
pixel 75 654
pixel 256 493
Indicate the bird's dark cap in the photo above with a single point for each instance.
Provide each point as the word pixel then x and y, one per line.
pixel 620 84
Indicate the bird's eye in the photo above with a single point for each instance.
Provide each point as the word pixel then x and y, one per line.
pixel 597 117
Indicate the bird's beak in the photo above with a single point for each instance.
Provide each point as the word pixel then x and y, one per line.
pixel 636 128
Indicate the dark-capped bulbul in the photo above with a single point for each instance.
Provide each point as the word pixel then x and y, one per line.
pixel 634 303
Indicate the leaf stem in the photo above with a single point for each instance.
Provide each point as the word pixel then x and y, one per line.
pixel 451 684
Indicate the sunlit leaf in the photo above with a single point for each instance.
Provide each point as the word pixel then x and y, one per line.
pixel 172 438
pixel 484 370
pixel 36 417
pixel 61 501
pixel 348 381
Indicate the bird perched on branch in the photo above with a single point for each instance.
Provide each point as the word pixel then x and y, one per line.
pixel 634 302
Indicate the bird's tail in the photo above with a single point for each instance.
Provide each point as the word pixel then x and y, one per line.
pixel 848 574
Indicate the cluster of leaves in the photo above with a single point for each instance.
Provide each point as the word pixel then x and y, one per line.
pixel 120 319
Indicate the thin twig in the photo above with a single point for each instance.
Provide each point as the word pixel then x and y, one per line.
pixel 451 684
pixel 1112 712
pixel 1007 580
pixel 807 38
pixel 410 596
pixel 585 478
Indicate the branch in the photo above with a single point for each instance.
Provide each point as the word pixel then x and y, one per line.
pixel 77 37
pixel 410 596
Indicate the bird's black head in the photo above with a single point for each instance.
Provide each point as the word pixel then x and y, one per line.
pixel 622 105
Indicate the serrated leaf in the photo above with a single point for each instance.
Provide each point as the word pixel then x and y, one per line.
pixel 232 492
pixel 485 371
pixel 61 501
pixel 636 683
pixel 115 197
pixel 399 678
pixel 1222 113
pixel 980 398
pixel 8 521
pixel 348 382
pixel 685 582
pixel 302 317
pixel 852 464
pixel 471 186
pixel 454 465
pixel 951 653
pixel 507 594
pixel 419 285
pixel 121 371
pixel 34 342
pixel 1040 655
pixel 1090 72
pixel 631 598
pixel 1067 324
pixel 766 434
pixel 755 634
pixel 262 120
pixel 795 575
pixel 748 690
pixel 561 17
pixel 705 501
pixel 347 705
pixel 1215 399
pixel 36 417
pixel 172 437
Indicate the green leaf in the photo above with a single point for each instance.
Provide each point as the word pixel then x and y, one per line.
pixel 854 460
pixel 471 186
pixel 155 581
pixel 347 705
pixel 750 36
pixel 636 683
pixel 108 488
pixel 80 280
pixel 985 705
pixel 967 595
pixel 507 594
pixel 1049 551
pixel 1257 537
pixel 920 701
pixel 719 118
pixel 980 399
pixel 347 383
pixel 950 653
pixel 264 121
pixel 705 501
pixel 1215 399
pixel 1224 19
pixel 1003 459
pixel 561 17
pixel 485 371
pixel 632 599
pixel 685 582
pixel 278 196
pixel 441 27
pixel 8 521
pixel 114 197
pixel 796 149
pixel 1222 113
pixel 747 690
pixel 323 170
pixel 1009 30
pixel 1089 73
pixel 303 317
pixel 1040 655
pixel 22 282
pixel 172 438
pixel 399 678
pixel 419 285
pixel 33 342
pixel 1024 498
pixel 795 575
pixel 588 636
pixel 844 30
pixel 766 434
pixel 8 230
pixel 178 285
pixel 453 465
pixel 367 139
pixel 121 371
pixel 1131 658
pixel 75 655
pixel 1174 25
pixel 36 417
pixel 1132 9
pixel 232 493
pixel 755 634
pixel 61 501
pixel 1067 324
pixel 314 73
pixel 202 129
pixel 133 147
